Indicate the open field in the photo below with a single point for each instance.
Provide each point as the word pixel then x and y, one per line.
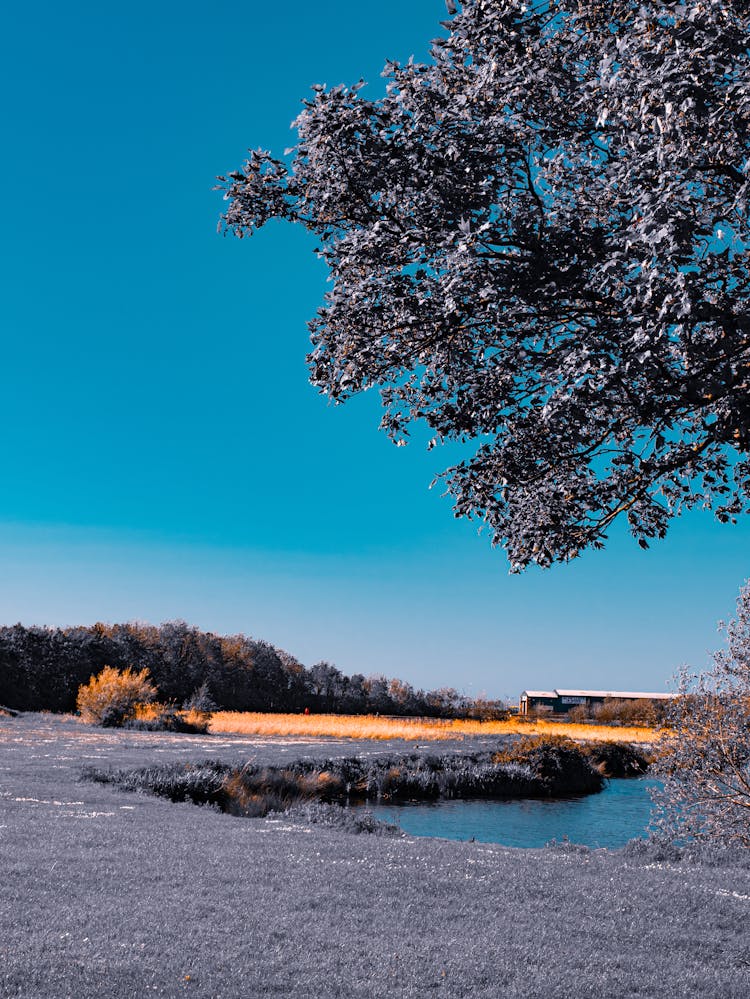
pixel 107 894
pixel 416 729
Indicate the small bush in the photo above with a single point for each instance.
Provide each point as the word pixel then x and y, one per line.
pixel 548 754
pixel 561 765
pixel 579 714
pixel 565 846
pixel 157 717
pixel 351 820
pixel 199 708
pixel 201 700
pixel 618 759
pixel 654 850
pixel 110 698
pixel 195 721
pixel 614 711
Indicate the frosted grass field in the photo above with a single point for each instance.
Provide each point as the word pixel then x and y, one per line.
pixel 109 894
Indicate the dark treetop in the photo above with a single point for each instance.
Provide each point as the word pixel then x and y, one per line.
pixel 538 246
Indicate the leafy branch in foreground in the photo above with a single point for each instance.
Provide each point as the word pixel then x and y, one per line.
pixel 706 768
pixel 538 247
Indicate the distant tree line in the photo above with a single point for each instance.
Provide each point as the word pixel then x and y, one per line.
pixel 42 668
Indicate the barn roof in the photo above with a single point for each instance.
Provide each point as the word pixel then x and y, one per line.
pixel 612 693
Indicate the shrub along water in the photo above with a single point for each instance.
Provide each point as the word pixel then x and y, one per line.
pixel 611 759
pixel 535 769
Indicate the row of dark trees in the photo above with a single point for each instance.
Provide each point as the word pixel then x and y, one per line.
pixel 42 669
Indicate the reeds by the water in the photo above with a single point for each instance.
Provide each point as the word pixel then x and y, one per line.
pixel 414 729
pixel 533 768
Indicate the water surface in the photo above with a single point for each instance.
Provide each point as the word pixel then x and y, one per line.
pixel 617 814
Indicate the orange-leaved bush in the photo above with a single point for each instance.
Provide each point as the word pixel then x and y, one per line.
pixel 110 698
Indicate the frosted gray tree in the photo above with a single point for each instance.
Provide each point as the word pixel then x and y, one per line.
pixel 538 246
pixel 706 768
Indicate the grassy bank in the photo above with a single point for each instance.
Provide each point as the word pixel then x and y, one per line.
pixel 414 729
pixel 107 894
pixel 529 768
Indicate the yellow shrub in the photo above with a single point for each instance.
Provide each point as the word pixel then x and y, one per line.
pixel 111 697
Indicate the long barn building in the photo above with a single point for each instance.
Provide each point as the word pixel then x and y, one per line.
pixel 561 701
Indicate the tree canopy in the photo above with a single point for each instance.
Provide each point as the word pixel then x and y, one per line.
pixel 538 246
pixel 42 669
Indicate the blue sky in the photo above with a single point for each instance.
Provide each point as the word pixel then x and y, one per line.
pixel 163 453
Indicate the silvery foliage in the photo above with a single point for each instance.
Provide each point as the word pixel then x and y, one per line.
pixel 537 245
pixel 706 768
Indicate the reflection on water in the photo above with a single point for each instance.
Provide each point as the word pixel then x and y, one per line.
pixel 619 813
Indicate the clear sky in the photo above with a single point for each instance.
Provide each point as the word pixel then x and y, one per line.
pixel 163 454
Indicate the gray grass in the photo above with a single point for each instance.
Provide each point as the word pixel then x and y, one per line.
pixel 110 894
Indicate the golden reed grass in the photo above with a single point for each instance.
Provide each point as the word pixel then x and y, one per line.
pixel 414 729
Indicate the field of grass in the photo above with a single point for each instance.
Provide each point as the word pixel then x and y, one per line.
pixel 415 729
pixel 115 895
